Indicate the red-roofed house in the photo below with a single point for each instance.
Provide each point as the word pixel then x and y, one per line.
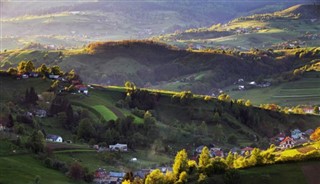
pixel 288 142
pixel 308 110
pixel 279 137
pixel 244 150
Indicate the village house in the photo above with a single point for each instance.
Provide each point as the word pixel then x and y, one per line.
pixel 216 152
pixel 288 142
pixel 142 173
pixel 296 134
pixel 280 136
pixel 54 138
pixel 82 89
pixel 308 110
pixel 22 76
pixel 116 177
pixel 34 74
pixel 199 149
pixel 246 149
pixel 235 150
pixel 100 176
pixel 40 113
pixel 118 147
pixel 308 132
pixel 52 76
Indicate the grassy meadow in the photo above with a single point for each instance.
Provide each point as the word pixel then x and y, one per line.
pixel 304 91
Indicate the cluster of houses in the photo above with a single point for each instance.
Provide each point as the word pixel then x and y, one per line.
pixel 116 147
pixel 282 141
pixel 289 44
pixel 101 176
pixel 242 85
pixel 296 138
pixel 240 30
pixel 311 36
pixel 78 85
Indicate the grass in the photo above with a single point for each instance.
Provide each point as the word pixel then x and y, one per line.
pixel 121 162
pixel 15 88
pixel 106 113
pixel 278 173
pixel 24 168
pixel 303 91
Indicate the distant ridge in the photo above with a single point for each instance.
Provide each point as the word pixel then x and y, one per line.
pixel 306 11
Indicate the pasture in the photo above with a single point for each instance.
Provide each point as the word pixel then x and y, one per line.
pixel 304 91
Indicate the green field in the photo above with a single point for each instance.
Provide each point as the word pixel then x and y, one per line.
pixel 271 31
pixel 105 112
pixel 113 161
pixel 293 173
pixel 24 169
pixel 12 89
pixel 305 91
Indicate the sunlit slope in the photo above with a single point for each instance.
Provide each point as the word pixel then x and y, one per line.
pixel 272 30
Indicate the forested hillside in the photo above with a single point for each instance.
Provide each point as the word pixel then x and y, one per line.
pixel 151 64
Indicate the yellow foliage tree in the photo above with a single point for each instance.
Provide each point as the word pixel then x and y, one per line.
pixel 315 136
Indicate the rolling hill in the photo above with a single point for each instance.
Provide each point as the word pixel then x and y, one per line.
pixel 155 65
pixel 182 121
pixel 304 91
pixel 289 28
pixel 73 24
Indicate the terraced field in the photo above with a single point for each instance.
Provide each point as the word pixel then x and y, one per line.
pixel 106 113
pixel 102 104
pixel 303 91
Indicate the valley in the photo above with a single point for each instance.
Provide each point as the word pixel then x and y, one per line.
pixel 160 92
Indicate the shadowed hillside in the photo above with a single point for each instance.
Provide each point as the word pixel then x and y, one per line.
pixel 148 64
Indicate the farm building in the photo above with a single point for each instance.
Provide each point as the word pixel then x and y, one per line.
pixel 52 76
pixel 296 134
pixel 54 138
pixel 82 89
pixel 118 147
pixel 288 142
pixel 246 149
pixel 40 113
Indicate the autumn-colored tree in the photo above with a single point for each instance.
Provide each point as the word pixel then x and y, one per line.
pixel 248 103
pixel 255 157
pixel 230 159
pixel 155 177
pixel 180 163
pixel 224 97
pixel 29 66
pixel 56 70
pixel 130 86
pixel 315 136
pixel 12 71
pixel 204 158
pixel 22 67
pixel 183 178
pixel 43 69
